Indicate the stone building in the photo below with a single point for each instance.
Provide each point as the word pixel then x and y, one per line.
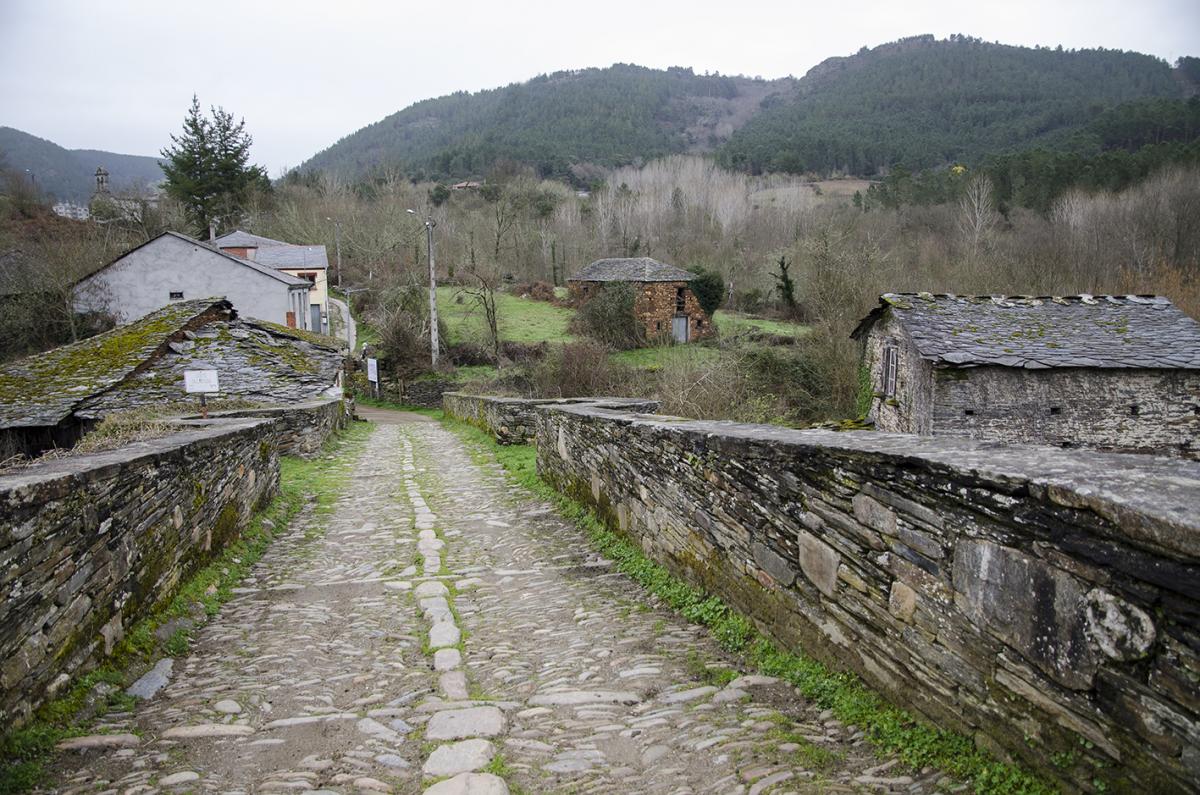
pixel 665 304
pixel 1107 372
pixel 51 399
pixel 310 263
pixel 174 267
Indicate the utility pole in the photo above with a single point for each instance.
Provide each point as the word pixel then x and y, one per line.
pixel 433 319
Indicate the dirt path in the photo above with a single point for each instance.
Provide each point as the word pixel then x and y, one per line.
pixel 443 630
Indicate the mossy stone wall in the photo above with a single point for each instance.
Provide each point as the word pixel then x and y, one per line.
pixel 1043 601
pixel 90 545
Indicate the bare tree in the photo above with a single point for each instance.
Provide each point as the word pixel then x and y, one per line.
pixel 977 213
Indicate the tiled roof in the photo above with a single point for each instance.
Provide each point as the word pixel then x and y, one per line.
pixel 292 257
pixel 1131 331
pixel 631 269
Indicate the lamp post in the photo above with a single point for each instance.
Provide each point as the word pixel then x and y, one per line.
pixel 433 319
pixel 337 246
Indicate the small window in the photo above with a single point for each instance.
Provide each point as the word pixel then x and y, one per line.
pixel 658 325
pixel 699 323
pixel 890 366
pixel 968 412
pixel 1055 410
pixel 176 296
pixel 1135 410
pixel 680 299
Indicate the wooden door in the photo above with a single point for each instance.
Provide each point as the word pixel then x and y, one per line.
pixel 679 328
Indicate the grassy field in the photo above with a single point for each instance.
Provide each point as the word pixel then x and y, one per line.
pixel 734 323
pixel 520 319
pixel 654 358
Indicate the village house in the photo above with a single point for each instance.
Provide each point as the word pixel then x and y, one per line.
pixel 310 263
pixel 665 304
pixel 1106 372
pixel 174 267
pixel 52 398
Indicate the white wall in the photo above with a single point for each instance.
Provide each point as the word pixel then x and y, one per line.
pixel 143 280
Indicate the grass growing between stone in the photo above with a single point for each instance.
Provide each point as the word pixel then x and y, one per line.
pixel 26 752
pixel 890 729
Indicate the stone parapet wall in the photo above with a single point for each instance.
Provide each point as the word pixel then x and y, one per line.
pixel 1045 602
pixel 89 545
pixel 513 420
pixel 302 427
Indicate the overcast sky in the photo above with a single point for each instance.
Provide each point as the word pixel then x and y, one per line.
pixel 119 74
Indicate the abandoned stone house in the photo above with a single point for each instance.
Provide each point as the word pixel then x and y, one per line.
pixel 664 303
pixel 310 263
pixel 1106 372
pixel 174 267
pixel 51 399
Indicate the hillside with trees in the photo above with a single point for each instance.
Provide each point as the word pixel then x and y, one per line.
pixel 923 102
pixel 919 101
pixel 590 117
pixel 69 174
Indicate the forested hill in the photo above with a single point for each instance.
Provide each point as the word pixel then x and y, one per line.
pixel 918 101
pixel 923 102
pixel 69 174
pixel 606 117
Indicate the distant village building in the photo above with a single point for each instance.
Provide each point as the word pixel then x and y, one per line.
pixel 665 304
pixel 76 212
pixel 466 185
pixel 1107 372
pixel 174 267
pixel 106 206
pixel 310 263
pixel 51 399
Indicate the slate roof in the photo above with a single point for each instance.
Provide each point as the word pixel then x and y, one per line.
pixel 276 253
pixel 142 363
pixel 1104 331
pixel 240 239
pixel 631 269
pixel 44 389
pixel 292 257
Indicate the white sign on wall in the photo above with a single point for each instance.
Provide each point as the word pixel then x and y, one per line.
pixel 373 371
pixel 202 381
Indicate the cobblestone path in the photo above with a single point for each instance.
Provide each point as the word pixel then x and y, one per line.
pixel 444 636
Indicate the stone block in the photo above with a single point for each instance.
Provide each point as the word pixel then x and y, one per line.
pixel 902 601
pixel 773 564
pixel 874 514
pixel 1035 608
pixel 819 562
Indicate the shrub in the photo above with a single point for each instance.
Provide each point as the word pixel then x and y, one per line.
pixel 709 288
pixel 608 318
pixel 578 369
pixel 401 317
pixel 538 291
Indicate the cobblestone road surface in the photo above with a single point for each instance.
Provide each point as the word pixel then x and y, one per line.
pixel 442 635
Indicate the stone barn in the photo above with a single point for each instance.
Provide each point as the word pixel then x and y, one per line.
pixel 1107 372
pixel 665 303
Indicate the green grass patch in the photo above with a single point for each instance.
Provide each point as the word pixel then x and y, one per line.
pixel 655 358
pixel 735 323
pixel 387 404
pixel 26 752
pixel 890 729
pixel 519 319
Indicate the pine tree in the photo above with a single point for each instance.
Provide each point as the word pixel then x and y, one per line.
pixel 207 168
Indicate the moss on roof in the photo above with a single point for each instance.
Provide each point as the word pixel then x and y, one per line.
pixel 324 340
pixel 44 388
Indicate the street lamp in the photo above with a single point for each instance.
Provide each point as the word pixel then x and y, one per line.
pixel 337 243
pixel 433 320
